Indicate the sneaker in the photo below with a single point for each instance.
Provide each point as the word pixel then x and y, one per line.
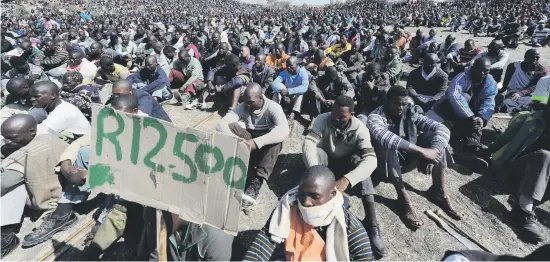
pixel 173 102
pixel 184 100
pixel 9 242
pixel 194 104
pixel 526 225
pixel 49 227
pixel 251 193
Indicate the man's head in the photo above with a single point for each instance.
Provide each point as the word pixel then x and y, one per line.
pixel 331 73
pixel 158 46
pixel 480 70
pixel 531 57
pixel 292 65
pixel 82 35
pixel 96 49
pixel 397 100
pixel 432 32
pixel 419 33
pixel 343 40
pixel 318 56
pixel 75 57
pixel 391 52
pixel 121 87
pixel 279 50
pixel 186 40
pixel 224 49
pixel 431 61
pixel 18 131
pixel 107 64
pixel 469 45
pixel 494 47
pixel 184 57
pixel 125 39
pixel 259 61
pixel 20 64
pixel 253 97
pixel 216 38
pixel 372 71
pixel 18 87
pixel 232 62
pixel 169 51
pixel 316 187
pixel 126 103
pixel 26 45
pixel 245 52
pixel 151 64
pixel 71 80
pixel 43 94
pixel 450 39
pixel 342 111
pixel 49 46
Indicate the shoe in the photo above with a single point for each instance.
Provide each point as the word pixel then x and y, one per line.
pixel 526 225
pixel 443 202
pixel 48 228
pixel 378 247
pixel 194 104
pixel 184 100
pixel 251 193
pixel 9 242
pixel 474 164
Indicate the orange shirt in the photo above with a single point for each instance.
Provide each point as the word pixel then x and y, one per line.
pixel 273 62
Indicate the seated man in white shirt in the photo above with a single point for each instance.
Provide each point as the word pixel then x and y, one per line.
pixel 63 118
pixel 78 62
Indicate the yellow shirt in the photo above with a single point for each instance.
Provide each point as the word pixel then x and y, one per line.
pixel 121 72
pixel 337 49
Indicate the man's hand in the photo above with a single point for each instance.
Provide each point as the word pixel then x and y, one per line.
pixel 329 103
pixel 219 88
pixel 210 86
pixel 477 122
pixel 340 68
pixel 515 97
pixel 252 144
pixel 369 84
pixel 342 184
pixel 284 91
pixel 432 155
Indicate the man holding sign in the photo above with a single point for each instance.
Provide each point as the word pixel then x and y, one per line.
pixel 262 122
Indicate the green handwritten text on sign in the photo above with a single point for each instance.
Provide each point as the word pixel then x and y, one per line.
pixel 198 175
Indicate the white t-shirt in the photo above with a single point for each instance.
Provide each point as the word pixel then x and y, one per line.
pixel 66 117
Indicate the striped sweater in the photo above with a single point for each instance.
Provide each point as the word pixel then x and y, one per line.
pixel 381 130
pixel 263 249
pixel 58 58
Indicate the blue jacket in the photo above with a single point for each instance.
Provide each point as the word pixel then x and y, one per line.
pixel 296 84
pixel 153 82
pixel 482 105
pixel 148 105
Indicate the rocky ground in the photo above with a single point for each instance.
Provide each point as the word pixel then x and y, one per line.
pixel 482 198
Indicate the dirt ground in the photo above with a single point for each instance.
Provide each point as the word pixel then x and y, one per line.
pixel 483 199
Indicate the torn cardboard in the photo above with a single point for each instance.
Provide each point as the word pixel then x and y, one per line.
pixel 198 175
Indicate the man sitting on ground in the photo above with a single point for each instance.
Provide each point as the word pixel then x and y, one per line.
pixel 78 62
pixel 522 153
pixel 336 50
pixel 263 74
pixel 327 88
pixel 187 77
pixel 262 123
pixel 78 94
pixel 28 172
pixel 64 119
pixel 519 82
pixel 18 101
pixel 371 87
pixel 497 57
pixel 392 64
pixel 152 79
pixel 467 106
pixel 341 142
pixel 297 232
pixel 228 80
pixel 20 68
pixel 428 83
pixel 291 85
pixel 277 58
pixel 399 152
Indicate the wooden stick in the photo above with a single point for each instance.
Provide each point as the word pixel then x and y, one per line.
pixel 66 243
pixel 162 236
pixel 206 119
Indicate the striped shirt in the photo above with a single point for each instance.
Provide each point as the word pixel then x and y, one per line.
pixel 262 248
pixel 58 58
pixel 380 128
pixel 540 35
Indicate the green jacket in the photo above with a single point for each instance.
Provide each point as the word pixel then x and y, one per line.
pixel 523 130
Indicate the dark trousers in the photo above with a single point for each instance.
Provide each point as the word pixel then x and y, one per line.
pixel 342 166
pixel 262 160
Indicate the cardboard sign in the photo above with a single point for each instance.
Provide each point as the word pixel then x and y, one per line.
pixel 198 175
